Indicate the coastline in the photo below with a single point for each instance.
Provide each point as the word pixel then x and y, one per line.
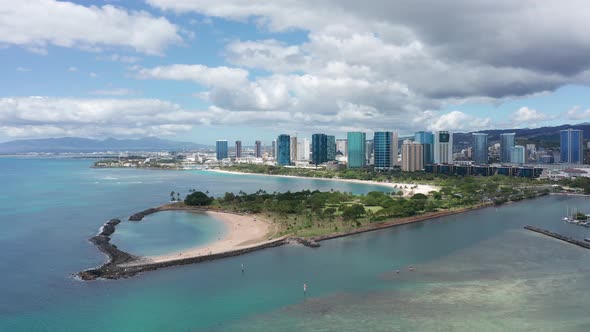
pixel 240 232
pixel 421 188
pixel 122 265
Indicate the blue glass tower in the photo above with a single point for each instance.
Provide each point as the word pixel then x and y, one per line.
pixel 221 149
pixel 284 150
pixel 319 147
pixel 480 148
pixel 383 150
pixel 330 147
pixel 356 145
pixel 572 146
pixel 506 145
pixel 427 139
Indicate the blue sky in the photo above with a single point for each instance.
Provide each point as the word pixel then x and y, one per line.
pixel 205 70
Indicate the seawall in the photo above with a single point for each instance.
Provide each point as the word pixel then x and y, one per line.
pixel 573 241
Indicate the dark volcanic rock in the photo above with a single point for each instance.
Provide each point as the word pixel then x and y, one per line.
pixel 114 222
pixel 107 230
pixel 99 239
pixel 139 216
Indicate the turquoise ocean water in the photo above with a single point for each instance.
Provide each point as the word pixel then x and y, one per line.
pixel 479 271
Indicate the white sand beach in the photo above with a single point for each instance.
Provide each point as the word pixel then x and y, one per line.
pixel 408 189
pixel 242 231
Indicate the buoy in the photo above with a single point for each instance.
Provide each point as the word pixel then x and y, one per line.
pixel 304 288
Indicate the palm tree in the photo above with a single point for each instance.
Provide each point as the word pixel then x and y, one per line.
pixel 172 195
pixel 178 197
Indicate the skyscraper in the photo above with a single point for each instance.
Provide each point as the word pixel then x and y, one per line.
pixel 506 145
pixel 480 148
pixel 443 147
pixel 356 146
pixel 412 156
pixel 342 146
pixel 369 150
pixel 293 148
pixel 221 149
pixel 572 146
pixel 517 155
pixel 273 149
pixel 331 147
pixel 303 149
pixel 385 149
pixel 238 149
pixel 319 147
pixel 258 149
pixel 284 150
pixel 427 139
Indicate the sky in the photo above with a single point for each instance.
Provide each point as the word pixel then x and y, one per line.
pixel 202 70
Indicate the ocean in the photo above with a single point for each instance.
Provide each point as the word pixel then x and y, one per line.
pixel 475 271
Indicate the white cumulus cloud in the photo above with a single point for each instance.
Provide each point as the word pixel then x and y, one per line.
pixel 35 24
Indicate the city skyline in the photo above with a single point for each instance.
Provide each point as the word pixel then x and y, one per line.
pixel 197 70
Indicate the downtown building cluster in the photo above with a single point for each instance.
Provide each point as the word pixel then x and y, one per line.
pixel 429 151
pixel 383 152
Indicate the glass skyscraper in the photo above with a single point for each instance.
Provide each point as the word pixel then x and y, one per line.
pixel 356 146
pixel 480 148
pixel 427 139
pixel 284 150
pixel 506 145
pixel 517 155
pixel 572 146
pixel 238 149
pixel 385 149
pixel 331 147
pixel 319 148
pixel 258 149
pixel 221 149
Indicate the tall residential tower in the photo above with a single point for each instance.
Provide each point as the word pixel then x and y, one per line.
pixel 480 148
pixel 356 146
pixel 507 141
pixel 572 146
pixel 443 147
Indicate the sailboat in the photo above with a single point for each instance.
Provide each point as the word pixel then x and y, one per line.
pixel 567 217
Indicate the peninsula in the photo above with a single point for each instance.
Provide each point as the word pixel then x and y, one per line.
pixel 261 220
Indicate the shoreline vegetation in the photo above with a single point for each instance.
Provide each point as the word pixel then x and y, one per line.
pixel 308 217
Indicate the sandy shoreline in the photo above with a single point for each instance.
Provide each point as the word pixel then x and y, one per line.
pixel 421 188
pixel 240 232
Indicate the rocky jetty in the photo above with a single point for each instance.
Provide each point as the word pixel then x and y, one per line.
pixel 107 230
pixel 113 222
pixel 306 242
pixel 559 236
pixel 139 216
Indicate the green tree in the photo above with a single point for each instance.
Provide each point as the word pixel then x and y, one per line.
pixel 353 212
pixel 198 198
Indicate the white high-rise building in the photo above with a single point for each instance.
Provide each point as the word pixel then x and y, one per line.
pixel 303 149
pixel 342 146
pixel 293 148
pixel 443 147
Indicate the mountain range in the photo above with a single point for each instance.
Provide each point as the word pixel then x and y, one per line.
pixel 77 144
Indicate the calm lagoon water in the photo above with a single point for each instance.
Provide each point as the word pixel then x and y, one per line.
pixel 167 232
pixel 476 271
